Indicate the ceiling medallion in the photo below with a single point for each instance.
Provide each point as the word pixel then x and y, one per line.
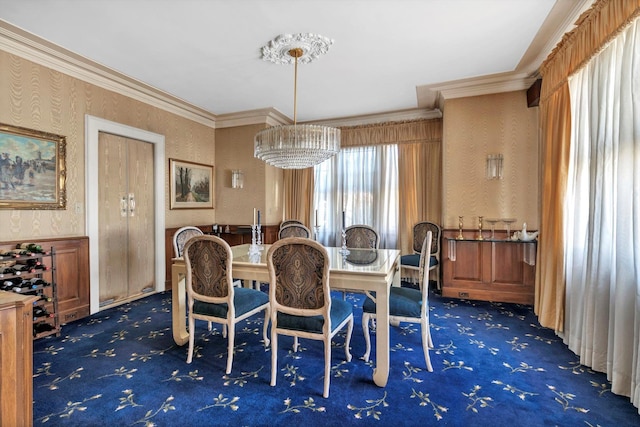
pixel 312 45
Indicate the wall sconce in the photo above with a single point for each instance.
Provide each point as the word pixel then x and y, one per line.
pixel 237 178
pixel 494 166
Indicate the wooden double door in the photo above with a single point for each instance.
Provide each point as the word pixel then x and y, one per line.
pixel 126 219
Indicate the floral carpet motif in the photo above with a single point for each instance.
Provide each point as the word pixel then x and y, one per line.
pixel 493 365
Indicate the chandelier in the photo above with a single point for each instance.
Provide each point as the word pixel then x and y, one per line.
pixel 296 146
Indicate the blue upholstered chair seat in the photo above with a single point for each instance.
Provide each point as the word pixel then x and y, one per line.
pixel 414 260
pixel 404 302
pixel 340 310
pixel 244 300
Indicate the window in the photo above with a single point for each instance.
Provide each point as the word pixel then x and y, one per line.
pixel 362 182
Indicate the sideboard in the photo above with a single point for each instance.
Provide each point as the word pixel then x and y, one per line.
pixel 491 269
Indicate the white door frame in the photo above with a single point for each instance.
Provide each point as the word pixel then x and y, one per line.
pixel 93 127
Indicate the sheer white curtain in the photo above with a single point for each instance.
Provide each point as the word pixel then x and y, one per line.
pixel 362 182
pixel 602 323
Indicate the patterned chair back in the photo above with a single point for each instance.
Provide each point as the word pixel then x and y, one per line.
pixel 289 222
pixel 420 232
pixel 208 260
pixel 299 269
pixel 362 237
pixel 181 236
pixel 294 230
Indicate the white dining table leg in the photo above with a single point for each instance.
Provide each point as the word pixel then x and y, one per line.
pixel 178 304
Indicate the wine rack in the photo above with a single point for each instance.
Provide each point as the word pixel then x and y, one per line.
pixel 30 270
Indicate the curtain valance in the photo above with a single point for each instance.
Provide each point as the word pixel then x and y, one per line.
pixel 414 131
pixel 594 29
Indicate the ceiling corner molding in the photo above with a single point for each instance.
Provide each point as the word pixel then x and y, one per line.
pixel 40 51
pixel 267 116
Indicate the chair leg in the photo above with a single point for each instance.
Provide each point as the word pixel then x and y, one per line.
pixel 426 335
pixel 274 354
pixel 366 317
pixel 192 333
pixel 429 340
pixel 327 366
pixel 267 316
pixel 347 341
pixel 230 345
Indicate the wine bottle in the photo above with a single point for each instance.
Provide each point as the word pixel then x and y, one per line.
pixel 24 268
pixel 23 287
pixel 40 328
pixel 6 254
pixel 44 298
pixel 29 261
pixel 7 285
pixel 40 312
pixel 37 282
pixel 8 271
pixel 31 247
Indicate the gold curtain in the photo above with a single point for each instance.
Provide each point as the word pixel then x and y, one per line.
pixel 298 194
pixel 599 24
pixel 420 180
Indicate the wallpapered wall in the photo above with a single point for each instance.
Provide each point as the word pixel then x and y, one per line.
pixel 490 124
pixel 262 183
pixel 39 98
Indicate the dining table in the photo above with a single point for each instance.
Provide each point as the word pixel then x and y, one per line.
pixel 361 270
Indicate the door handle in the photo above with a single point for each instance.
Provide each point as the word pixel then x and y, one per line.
pixel 123 206
pixel 132 204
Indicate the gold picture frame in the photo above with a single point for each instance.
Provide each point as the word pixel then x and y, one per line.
pixel 191 185
pixel 33 170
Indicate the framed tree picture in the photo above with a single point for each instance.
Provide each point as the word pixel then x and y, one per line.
pixel 32 169
pixel 191 185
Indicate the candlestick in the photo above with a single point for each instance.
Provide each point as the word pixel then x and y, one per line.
pixel 259 218
pixel 254 216
pixel 316 223
pixel 460 236
pixel 343 221
pixel 480 229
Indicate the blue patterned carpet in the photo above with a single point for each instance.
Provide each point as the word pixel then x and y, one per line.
pixel 493 365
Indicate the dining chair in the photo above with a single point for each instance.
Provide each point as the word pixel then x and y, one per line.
pixel 181 236
pixel 406 305
pixel 294 230
pixel 410 263
pixel 362 237
pixel 301 303
pixel 211 295
pixel 289 222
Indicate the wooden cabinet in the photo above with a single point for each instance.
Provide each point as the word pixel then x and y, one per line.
pixel 16 359
pixel 72 274
pixel 490 270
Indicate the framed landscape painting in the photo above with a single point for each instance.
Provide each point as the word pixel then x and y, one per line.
pixel 32 169
pixel 191 185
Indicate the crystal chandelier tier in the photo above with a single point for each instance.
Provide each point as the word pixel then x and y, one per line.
pixel 296 146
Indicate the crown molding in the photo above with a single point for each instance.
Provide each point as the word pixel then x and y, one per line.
pixel 40 51
pixel 268 116
pixel 433 96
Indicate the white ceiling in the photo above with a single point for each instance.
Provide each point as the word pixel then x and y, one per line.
pixel 387 55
